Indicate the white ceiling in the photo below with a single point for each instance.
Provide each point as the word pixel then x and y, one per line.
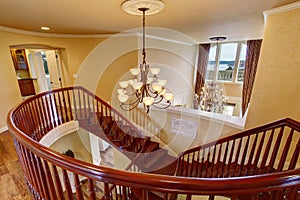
pixel 199 19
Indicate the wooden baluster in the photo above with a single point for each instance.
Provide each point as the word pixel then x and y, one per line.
pixel 67 184
pixel 79 195
pixel 285 151
pixel 26 161
pixel 258 154
pixel 230 159
pixel 58 116
pixel 211 197
pixel 188 197
pixel 224 159
pixel 237 155
pixel 62 116
pixel 84 105
pixel 58 186
pixel 35 175
pixel 75 105
pixel 191 168
pixel 244 156
pixel 49 121
pixel 92 194
pixel 218 161
pixel 42 177
pixel 213 162
pixel 266 153
pixel 38 117
pixel 53 111
pixel 251 156
pixel 49 179
pixel 201 163
pixel 79 105
pixel 207 164
pixel 70 105
pixel 124 193
pixel 42 117
pixel 106 191
pixel 295 156
pixel 45 114
pixel 65 106
pixel 30 120
pixel 275 150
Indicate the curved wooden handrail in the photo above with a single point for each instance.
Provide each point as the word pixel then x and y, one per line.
pixel 40 165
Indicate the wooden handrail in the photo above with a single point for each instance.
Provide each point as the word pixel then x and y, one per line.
pixel 36 116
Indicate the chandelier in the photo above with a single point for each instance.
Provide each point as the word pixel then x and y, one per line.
pixel 212 99
pixel 145 87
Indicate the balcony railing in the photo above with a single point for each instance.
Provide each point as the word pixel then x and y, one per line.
pixel 48 173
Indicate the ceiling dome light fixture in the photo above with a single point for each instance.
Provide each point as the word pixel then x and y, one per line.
pixel 145 86
pixel 133 7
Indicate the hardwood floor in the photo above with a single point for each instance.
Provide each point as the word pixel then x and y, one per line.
pixel 12 183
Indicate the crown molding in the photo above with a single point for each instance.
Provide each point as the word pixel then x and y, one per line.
pixel 54 35
pixel 281 9
pixel 86 36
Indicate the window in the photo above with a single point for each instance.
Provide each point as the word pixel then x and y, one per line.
pixel 226 62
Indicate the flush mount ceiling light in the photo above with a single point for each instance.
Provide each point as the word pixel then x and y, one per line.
pixel 145 86
pixel 45 28
pixel 133 7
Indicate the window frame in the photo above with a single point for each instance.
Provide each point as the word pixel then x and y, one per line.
pixel 236 63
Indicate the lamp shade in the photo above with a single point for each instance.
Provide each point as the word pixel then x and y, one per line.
pixel 154 70
pixel 162 93
pixel 121 91
pixel 137 85
pixel 123 98
pixel 156 87
pixel 123 84
pixel 169 96
pixel 148 101
pixel 163 82
pixel 134 71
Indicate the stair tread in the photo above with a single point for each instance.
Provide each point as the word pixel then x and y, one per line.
pixel 151 146
pixel 148 159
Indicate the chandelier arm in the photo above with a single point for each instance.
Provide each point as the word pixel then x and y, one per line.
pixel 131 106
pixel 128 109
pixel 152 93
pixel 157 102
pixel 169 103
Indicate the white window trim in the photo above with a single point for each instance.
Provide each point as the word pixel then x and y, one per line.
pixel 236 64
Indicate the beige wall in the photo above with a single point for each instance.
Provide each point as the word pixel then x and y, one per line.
pixel 276 92
pixel 75 52
pixel 111 76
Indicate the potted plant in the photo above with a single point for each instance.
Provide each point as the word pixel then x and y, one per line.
pixel 69 153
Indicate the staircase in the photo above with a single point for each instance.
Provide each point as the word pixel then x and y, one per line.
pixel 147 154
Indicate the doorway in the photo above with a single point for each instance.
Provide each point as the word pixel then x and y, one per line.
pixel 43 69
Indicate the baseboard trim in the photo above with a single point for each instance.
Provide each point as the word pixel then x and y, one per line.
pixel 3 128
